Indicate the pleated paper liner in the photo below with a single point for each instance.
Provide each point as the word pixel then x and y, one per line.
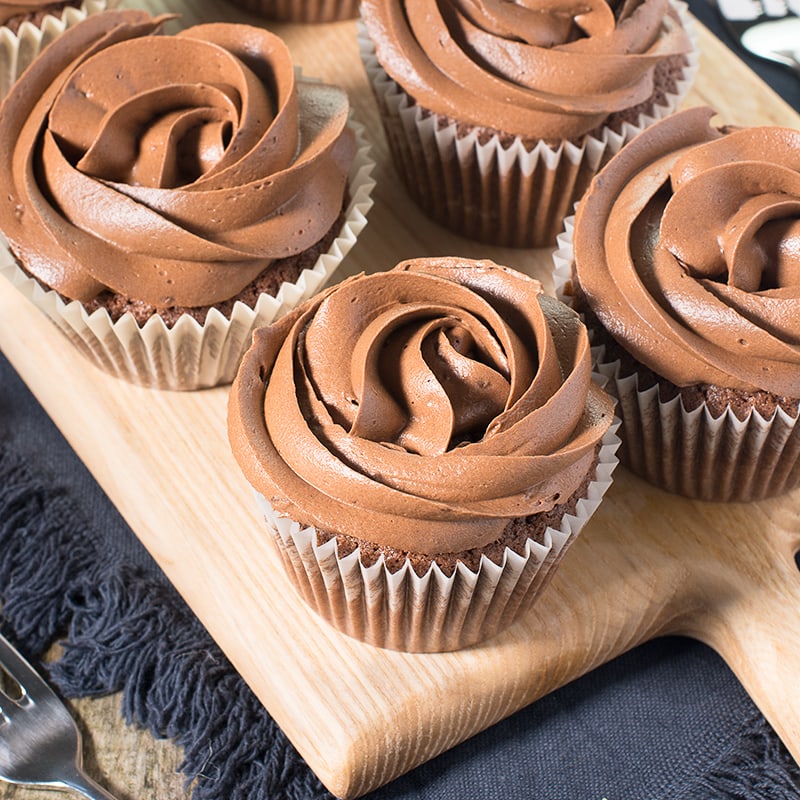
pixel 433 613
pixel 17 50
pixel 191 356
pixel 691 453
pixel 301 11
pixel 509 196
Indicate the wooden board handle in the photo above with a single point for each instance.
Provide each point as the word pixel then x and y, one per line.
pixel 753 620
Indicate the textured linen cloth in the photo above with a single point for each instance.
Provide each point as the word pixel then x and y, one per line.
pixel 666 721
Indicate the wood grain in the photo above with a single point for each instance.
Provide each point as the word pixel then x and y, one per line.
pixel 648 563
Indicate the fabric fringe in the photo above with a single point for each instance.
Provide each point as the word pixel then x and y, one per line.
pixel 756 766
pixel 124 630
pixel 41 548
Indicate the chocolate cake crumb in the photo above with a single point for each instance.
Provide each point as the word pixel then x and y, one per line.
pixel 37 17
pixel 268 282
pixel 515 536
pixel 666 76
pixel 717 398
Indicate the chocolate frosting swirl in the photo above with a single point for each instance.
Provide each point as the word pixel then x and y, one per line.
pixel 535 70
pixel 422 408
pixel 687 248
pixel 169 169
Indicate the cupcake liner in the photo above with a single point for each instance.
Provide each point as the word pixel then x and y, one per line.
pixel 433 613
pixel 17 50
pixel 691 453
pixel 189 355
pixel 499 194
pixel 304 11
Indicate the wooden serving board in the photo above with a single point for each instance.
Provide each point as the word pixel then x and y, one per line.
pixel 647 564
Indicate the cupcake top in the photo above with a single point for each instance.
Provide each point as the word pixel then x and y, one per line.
pixel 556 69
pixel 171 169
pixel 422 408
pixel 687 249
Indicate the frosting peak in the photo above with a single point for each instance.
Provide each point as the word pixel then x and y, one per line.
pixel 423 375
pixel 425 407
pixel 173 169
pixel 749 234
pixel 687 247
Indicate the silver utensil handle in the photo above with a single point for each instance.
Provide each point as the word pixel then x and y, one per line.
pixel 87 787
pixel 791 60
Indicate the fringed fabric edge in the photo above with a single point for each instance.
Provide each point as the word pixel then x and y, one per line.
pixel 755 766
pixel 122 630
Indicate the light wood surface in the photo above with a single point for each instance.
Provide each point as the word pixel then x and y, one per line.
pixel 647 564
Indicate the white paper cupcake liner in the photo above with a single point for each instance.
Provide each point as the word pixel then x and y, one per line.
pixel 502 195
pixel 433 613
pixel 302 11
pixel 189 355
pixel 691 453
pixel 17 50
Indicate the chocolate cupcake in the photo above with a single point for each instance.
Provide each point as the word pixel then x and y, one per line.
pixel 425 444
pixel 28 26
pixel 304 11
pixel 159 215
pixel 498 117
pixel 683 260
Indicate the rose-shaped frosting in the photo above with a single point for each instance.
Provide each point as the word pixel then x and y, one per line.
pixel 171 169
pixel 535 70
pixel 422 408
pixel 687 248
